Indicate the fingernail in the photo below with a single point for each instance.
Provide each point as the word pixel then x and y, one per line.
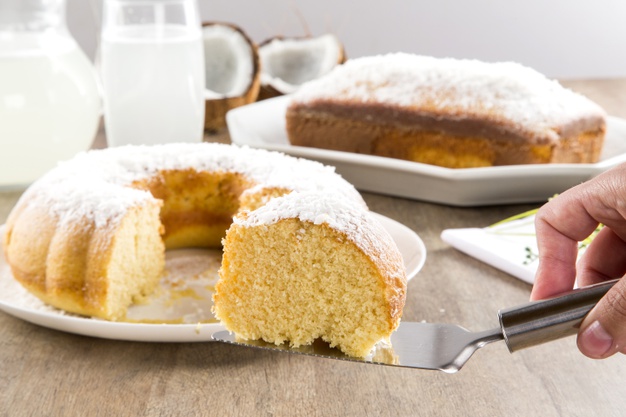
pixel 595 341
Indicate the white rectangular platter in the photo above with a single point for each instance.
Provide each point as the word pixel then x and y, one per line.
pixel 262 125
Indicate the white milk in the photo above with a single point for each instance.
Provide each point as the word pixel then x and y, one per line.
pixel 49 105
pixel 153 80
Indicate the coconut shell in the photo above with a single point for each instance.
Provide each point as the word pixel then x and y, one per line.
pixel 269 91
pixel 215 109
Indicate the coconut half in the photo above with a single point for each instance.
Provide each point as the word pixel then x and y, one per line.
pixel 232 71
pixel 287 63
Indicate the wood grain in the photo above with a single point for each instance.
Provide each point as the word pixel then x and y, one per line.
pixel 49 373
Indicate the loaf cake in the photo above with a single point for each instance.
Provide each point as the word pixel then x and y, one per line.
pixel 89 236
pixel 447 112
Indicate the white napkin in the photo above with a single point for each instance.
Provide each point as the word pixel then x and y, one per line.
pixel 509 246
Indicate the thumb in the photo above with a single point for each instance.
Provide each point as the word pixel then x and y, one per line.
pixel 603 332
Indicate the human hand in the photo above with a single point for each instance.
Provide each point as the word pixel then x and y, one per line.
pixel 560 225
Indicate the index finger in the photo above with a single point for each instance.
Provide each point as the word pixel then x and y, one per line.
pixel 559 225
pixel 571 217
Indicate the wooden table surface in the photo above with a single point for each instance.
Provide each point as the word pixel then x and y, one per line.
pixel 47 372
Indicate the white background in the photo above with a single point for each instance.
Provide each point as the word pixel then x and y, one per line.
pixel 561 38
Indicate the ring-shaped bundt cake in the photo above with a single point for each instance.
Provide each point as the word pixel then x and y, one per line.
pixel 89 237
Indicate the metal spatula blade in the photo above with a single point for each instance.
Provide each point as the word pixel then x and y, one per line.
pixel 447 347
pixel 444 347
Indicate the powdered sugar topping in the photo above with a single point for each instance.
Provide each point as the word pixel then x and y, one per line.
pixel 506 92
pixel 94 184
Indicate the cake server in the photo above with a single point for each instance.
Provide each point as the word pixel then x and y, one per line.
pixel 447 347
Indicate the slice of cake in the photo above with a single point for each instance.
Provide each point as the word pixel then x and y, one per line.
pixel 447 112
pixel 311 266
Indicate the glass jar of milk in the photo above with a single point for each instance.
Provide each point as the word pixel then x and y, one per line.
pixel 49 100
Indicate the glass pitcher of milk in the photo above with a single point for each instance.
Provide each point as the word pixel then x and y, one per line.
pixel 50 103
